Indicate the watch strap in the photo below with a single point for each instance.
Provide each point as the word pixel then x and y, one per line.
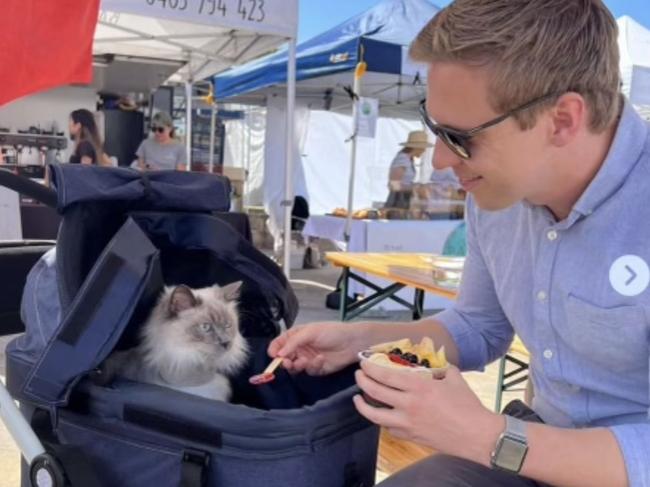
pixel 516 428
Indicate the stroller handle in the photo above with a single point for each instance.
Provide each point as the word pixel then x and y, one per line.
pixel 27 187
pixel 19 429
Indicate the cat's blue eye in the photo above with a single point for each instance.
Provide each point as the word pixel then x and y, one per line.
pixel 206 327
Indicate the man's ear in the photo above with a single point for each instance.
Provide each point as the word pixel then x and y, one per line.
pixel 569 116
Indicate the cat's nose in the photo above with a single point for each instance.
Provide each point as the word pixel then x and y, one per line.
pixel 225 345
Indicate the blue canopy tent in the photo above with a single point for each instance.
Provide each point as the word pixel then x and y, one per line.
pixel 326 63
pixel 325 68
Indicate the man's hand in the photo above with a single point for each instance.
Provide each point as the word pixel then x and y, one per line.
pixel 442 414
pixel 319 348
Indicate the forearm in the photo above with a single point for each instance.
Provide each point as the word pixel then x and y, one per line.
pixel 564 457
pixel 569 457
pixel 374 333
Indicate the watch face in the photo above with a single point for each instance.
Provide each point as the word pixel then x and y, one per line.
pixel 510 454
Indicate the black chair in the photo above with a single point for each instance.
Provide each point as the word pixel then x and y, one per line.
pixel 16 260
pixel 299 213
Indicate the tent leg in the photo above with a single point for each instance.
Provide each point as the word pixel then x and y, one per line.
pixel 188 124
pixel 353 163
pixel 288 175
pixel 213 123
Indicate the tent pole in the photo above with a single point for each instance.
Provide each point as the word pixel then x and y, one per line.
pixel 188 123
pixel 288 174
pixel 358 74
pixel 213 123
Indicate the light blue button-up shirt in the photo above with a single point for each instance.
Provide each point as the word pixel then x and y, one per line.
pixel 577 292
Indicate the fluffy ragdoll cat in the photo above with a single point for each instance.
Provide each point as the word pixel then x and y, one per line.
pixel 190 342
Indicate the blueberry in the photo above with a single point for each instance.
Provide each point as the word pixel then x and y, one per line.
pixel 425 363
pixel 411 358
pixel 396 351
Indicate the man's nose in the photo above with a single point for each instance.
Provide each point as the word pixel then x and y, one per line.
pixel 444 157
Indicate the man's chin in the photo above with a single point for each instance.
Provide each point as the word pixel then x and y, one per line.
pixel 494 204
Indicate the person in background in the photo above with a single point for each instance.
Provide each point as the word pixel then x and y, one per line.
pixel 88 145
pixel 402 170
pixel 161 151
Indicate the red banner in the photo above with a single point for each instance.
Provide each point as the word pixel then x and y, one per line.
pixel 44 44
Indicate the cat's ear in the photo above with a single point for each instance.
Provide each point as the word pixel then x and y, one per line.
pixel 181 299
pixel 232 291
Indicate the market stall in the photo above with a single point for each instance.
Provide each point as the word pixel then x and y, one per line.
pixel 164 40
pixel 325 72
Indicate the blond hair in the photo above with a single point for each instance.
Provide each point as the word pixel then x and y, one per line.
pixel 532 48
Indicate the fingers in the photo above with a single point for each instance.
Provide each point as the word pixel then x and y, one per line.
pixel 280 342
pixel 287 343
pixel 380 392
pixel 394 378
pixel 381 416
pixel 276 345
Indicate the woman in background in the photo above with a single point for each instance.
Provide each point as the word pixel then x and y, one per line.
pixel 402 170
pixel 161 151
pixel 88 145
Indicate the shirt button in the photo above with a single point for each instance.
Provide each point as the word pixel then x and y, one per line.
pixel 552 235
pixel 548 354
pixel 541 296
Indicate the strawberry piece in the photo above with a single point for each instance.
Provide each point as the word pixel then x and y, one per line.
pixel 399 360
pixel 260 379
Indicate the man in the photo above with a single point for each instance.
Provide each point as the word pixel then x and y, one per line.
pixel 557 252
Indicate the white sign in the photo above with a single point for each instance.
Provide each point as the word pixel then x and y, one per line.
pixel 367 114
pixel 275 17
pixel 10 226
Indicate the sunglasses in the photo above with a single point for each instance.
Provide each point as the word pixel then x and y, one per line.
pixel 159 130
pixel 459 140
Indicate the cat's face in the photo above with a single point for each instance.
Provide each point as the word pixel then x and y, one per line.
pixel 209 316
pixel 196 331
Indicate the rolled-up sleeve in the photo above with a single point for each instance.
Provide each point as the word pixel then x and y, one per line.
pixel 634 441
pixel 476 322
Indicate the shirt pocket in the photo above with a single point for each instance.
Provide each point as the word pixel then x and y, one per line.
pixel 613 338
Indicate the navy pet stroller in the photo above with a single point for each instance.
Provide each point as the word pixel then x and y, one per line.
pixel 123 236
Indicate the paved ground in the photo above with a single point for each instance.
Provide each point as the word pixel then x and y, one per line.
pixel 312 298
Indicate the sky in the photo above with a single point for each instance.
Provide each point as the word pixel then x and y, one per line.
pixel 317 16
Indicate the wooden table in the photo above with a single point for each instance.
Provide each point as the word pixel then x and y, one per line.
pixel 404 270
pixel 414 270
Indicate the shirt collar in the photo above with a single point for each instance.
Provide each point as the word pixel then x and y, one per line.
pixel 624 153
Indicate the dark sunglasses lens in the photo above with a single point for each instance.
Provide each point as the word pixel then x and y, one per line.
pixel 455 143
pixel 160 130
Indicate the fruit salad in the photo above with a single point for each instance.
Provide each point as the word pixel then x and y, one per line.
pixel 420 357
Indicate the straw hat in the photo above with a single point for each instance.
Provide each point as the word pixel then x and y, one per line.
pixel 417 140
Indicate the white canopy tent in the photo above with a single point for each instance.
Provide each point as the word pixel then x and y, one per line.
pixel 634 47
pixel 207 36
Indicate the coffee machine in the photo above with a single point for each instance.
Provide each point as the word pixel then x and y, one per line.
pixel 13 145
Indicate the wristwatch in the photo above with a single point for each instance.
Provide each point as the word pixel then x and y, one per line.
pixel 511 447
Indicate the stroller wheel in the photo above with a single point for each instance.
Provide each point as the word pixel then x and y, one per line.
pixel 45 471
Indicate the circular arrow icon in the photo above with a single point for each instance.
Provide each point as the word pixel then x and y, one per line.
pixel 629 275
